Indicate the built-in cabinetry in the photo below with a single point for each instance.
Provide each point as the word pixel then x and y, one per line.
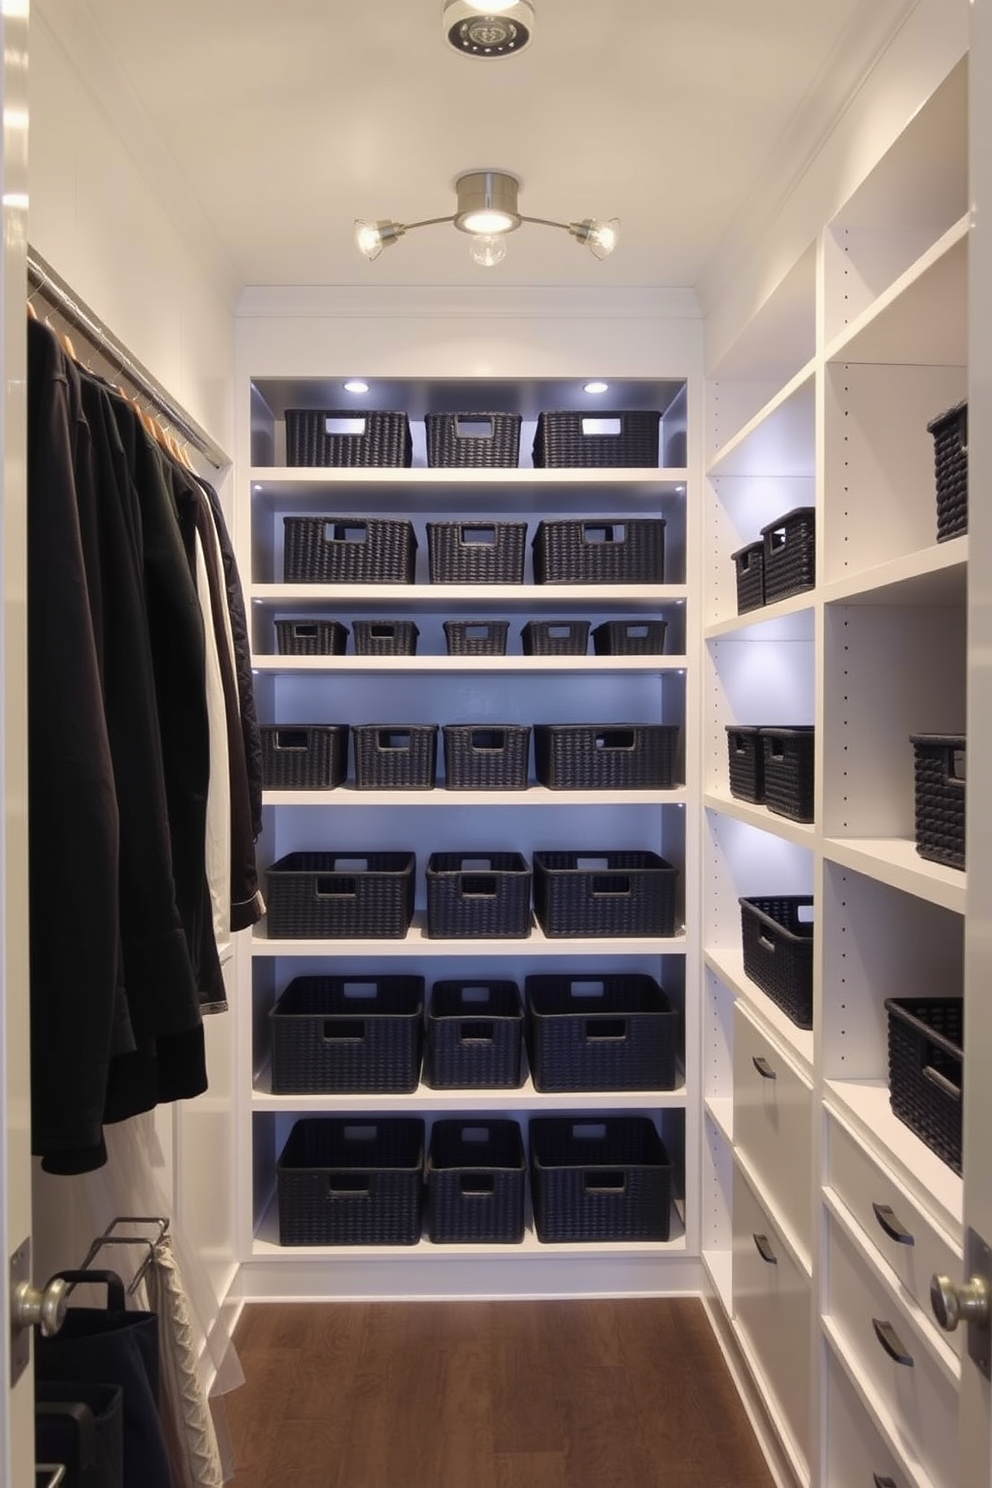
pixel 824 1215
pixel 432 686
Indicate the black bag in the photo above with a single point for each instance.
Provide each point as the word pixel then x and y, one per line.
pixel 116 1347
pixel 81 1426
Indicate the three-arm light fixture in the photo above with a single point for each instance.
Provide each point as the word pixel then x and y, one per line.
pixel 488 210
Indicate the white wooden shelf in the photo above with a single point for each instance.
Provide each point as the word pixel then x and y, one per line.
pixel 933 577
pixel 288 481
pixel 470 665
pixel 416 943
pixel 720 1110
pixel 535 795
pixel 802 833
pixel 729 967
pixel 895 861
pixel 480 596
pixel 778 440
pixel 785 620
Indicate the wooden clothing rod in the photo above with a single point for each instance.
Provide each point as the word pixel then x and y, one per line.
pixel 57 293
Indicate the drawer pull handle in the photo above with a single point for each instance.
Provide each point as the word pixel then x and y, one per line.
pixel 892 1227
pixel 892 1343
pixel 765 1251
pixel 763 1067
pixel 881 1482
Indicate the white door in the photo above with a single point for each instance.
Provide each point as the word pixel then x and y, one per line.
pixel 16 1395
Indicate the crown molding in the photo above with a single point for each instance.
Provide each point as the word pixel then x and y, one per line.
pixel 461 303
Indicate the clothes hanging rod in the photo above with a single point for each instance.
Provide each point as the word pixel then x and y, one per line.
pixel 67 303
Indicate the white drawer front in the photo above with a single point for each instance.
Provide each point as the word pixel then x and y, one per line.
pixel 773 1125
pixel 772 1308
pixel 909 1242
pixel 857 1457
pixel 894 1357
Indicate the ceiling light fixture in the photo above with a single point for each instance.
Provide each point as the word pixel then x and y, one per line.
pixel 356 385
pixel 492 28
pixel 596 387
pixel 488 209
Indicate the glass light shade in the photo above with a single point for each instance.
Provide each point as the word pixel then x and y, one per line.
pixel 487 250
pixel 599 237
pixel 372 237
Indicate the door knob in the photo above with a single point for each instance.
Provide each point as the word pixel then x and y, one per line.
pixel 45 1310
pixel 965 1303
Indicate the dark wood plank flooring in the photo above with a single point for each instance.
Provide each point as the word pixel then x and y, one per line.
pixel 584 1394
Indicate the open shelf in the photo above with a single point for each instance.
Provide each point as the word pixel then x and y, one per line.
pixel 416 943
pixel 729 967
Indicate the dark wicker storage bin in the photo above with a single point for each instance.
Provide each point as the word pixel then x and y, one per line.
pixel 778 952
pixel 395 756
pixel 340 896
pixel 555 637
pixel 352 1181
pixel 787 755
pixel 478 895
pixel 476 1181
pixel 347 1034
pixel 630 638
pixel 338 436
pixel 349 550
pixel 749 564
pixel 311 637
pixel 604 894
pixel 472 440
pixel 950 461
pixel 747 762
pixel 939 770
pixel 476 552
pixel 599 1180
pixel 926 1070
pixel 606 756
pixel 474 1036
pixel 385 637
pixel 600 551
pixel 616 1032
pixel 790 554
pixel 611 441
pixel 490 756
pixel 476 637
pixel 304 756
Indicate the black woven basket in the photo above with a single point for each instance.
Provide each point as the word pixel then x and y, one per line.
pixel 385 637
pixel 311 637
pixel 476 637
pixel 778 952
pixel 304 756
pixel 336 436
pixel 472 440
pixel 630 638
pixel 926 1070
pixel 555 637
pixel 749 564
pixel 347 1034
pixel 349 550
pixel 599 1180
pixel 476 894
pixel 476 1182
pixel 352 1181
pixel 474 1035
pixel 476 552
pixel 614 1032
pixel 491 756
pixel 395 756
pixel 610 441
pixel 340 896
pixel 604 894
pixel 747 762
pixel 606 756
pixel 788 755
pixel 950 461
pixel 600 550
pixel 939 773
pixel 790 554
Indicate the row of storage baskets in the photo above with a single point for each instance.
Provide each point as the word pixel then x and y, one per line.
pixel 383 550
pixel 364 1181
pixel 567 756
pixel 334 895
pixel 630 637
pixel 616 1031
pixel 782 561
pixel 349 437
pixel 773 767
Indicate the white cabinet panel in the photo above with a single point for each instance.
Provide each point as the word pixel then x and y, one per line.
pixel 857 1456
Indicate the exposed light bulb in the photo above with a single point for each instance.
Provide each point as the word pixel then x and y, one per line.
pixel 599 237
pixel 487 221
pixel 372 237
pixel 487 250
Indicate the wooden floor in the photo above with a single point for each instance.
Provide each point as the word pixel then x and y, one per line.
pixel 587 1394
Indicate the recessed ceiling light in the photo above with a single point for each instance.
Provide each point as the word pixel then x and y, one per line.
pixel 355 385
pixel 596 387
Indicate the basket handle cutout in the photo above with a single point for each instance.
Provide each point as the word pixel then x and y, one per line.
pixel 339 532
pixel 765 941
pixel 344 1030
pixel 745 559
pixel 635 632
pixel 943 1084
pixel 957 768
pixel 600 1029
pixel 349 1186
pixel 615 739
pixel 473 428
pixel 475 994
pixel 560 632
pixel 360 989
pixel 305 632
pixel 351 425
pixel 296 739
pixel 740 747
pixel 476 1134
pixel 805 914
pixel 605 1182
pixel 589 1131
pixel 618 885
pixel 335 888
pixel 475 1031
pixel 479 632
pixel 891 1226
pixel 478 537
pixel 479 886
pixel 611 427
pixel 776 748
pixel 587 989
pixel 476 865
pixel 489 739
pixel 590 865
pixel 477 1185
pixel 392 739
pixel 612 532
pixel 892 1343
pixel 382 632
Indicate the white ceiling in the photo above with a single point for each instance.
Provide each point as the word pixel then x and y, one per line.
pixel 287 120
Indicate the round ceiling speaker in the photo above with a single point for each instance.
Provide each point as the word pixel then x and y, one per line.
pixel 500 28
